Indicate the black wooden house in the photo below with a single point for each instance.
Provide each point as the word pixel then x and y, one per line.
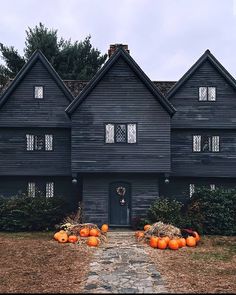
pixel 123 141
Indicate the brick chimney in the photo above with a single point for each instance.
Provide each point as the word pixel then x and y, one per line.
pixel 113 48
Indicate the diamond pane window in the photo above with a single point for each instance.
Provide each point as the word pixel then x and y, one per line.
pixel 121 133
pixel 215 143
pixel 131 133
pixel 203 93
pixel 109 133
pixel 31 189
pixel 211 93
pixel 212 187
pixel 39 142
pixel 38 92
pixel 50 189
pixel 48 142
pixel 191 189
pixel 29 142
pixel 206 144
pixel 197 143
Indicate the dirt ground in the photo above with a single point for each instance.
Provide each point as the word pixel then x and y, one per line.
pixel 208 268
pixel 35 263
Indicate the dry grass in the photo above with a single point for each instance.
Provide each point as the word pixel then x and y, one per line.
pixel 35 263
pixel 208 268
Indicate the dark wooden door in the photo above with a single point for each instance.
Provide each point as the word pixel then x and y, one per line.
pixel 120 203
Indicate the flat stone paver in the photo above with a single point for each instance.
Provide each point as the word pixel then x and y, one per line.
pixel 123 266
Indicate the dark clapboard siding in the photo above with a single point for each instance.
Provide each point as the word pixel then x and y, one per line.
pixel 186 163
pixel 16 160
pixel 178 187
pixel 144 190
pixel 192 113
pixel 22 109
pixel 120 97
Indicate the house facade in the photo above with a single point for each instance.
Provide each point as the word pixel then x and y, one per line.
pixel 122 141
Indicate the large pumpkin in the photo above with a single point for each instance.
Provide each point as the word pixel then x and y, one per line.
pixel 153 241
pixel 63 238
pixel 84 232
pixel 181 242
pixel 173 244
pixel 94 232
pixel 191 241
pixel 162 244
pixel 92 241
pixel 104 228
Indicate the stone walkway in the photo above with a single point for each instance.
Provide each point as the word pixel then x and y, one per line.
pixel 123 266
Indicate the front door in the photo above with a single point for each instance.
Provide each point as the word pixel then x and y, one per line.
pixel 120 203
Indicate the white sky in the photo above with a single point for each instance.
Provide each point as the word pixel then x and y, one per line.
pixel 165 37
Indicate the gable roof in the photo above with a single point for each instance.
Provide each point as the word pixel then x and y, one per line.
pixel 207 55
pixel 37 55
pixel 120 52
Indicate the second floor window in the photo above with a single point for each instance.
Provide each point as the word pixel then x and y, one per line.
pixel 206 143
pixel 121 133
pixel 207 93
pixel 39 142
pixel 38 92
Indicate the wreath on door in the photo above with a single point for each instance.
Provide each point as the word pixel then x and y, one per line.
pixel 121 192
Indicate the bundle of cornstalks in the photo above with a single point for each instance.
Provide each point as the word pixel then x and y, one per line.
pixel 161 229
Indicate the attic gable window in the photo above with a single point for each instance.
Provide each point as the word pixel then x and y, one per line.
pixel 207 93
pixel 121 133
pixel 38 92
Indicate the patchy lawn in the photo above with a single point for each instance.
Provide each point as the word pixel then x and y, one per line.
pixel 208 268
pixel 35 263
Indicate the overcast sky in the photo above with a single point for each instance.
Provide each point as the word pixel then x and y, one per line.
pixel 165 37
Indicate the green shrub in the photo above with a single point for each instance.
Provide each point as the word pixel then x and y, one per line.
pixel 23 213
pixel 167 211
pixel 213 212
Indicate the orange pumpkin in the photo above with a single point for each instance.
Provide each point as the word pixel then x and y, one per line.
pixel 173 244
pixel 56 235
pixel 181 242
pixel 63 238
pixel 139 234
pixel 196 236
pixel 167 239
pixel 92 241
pixel 104 228
pixel 147 227
pixel 153 241
pixel 191 241
pixel 84 232
pixel 161 244
pixel 94 232
pixel 72 239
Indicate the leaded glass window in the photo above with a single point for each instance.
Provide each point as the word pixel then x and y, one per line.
pixel 215 143
pixel 39 142
pixel 191 189
pixel 121 133
pixel 50 189
pixel 203 93
pixel 48 142
pixel 31 189
pixel 206 143
pixel 29 142
pixel 131 133
pixel 109 133
pixel 212 187
pixel 38 92
pixel 197 143
pixel 207 93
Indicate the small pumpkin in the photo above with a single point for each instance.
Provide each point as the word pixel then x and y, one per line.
pixel 181 242
pixel 56 235
pixel 147 227
pixel 153 241
pixel 63 238
pixel 94 232
pixel 72 239
pixel 162 244
pixel 92 241
pixel 173 244
pixel 167 239
pixel 84 232
pixel 139 234
pixel 191 241
pixel 104 228
pixel 196 236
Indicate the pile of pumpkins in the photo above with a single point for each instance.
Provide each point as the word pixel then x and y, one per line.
pixel 92 235
pixel 167 242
